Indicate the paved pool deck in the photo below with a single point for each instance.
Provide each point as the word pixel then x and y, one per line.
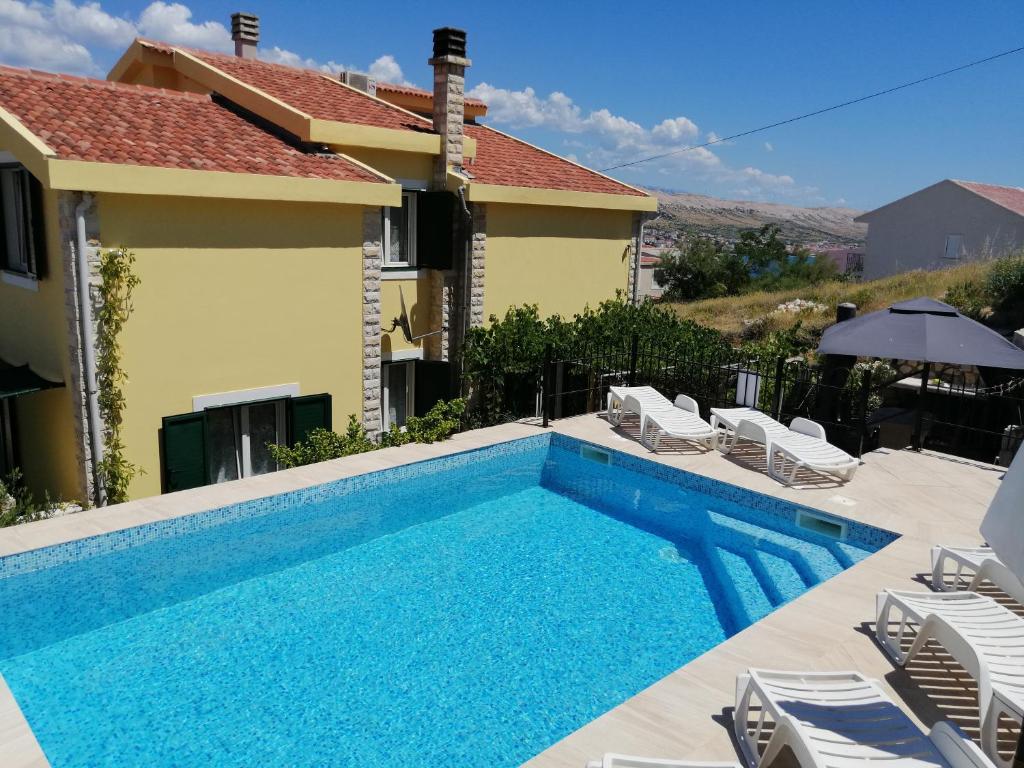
pixel 927 498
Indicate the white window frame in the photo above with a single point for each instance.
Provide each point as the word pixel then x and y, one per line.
pixel 408 200
pixel 960 250
pixel 410 390
pixel 243 432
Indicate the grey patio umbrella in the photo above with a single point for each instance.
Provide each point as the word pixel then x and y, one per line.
pixel 1003 529
pixel 924 330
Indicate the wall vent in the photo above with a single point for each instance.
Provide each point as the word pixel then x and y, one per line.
pixel 822 524
pixel 595 454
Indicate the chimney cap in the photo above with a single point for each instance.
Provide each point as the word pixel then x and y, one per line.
pixel 245 26
pixel 449 41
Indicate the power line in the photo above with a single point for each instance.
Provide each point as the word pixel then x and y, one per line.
pixel 819 111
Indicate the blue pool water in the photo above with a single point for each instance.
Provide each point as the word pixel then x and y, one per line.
pixel 470 610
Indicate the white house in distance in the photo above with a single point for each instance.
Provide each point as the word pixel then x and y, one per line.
pixel 943 225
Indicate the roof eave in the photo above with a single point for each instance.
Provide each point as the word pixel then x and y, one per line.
pixel 497 193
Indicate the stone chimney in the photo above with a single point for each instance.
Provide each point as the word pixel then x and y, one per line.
pixel 449 64
pixel 245 31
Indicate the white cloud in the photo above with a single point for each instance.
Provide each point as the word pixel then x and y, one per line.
pixel 386 69
pixel 27 47
pixel 89 23
pixel 768 146
pixel 603 139
pixel 172 22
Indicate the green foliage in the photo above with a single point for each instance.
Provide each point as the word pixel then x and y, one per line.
pixel 762 248
pixel 17 504
pixel 968 296
pixel 116 287
pixel 797 269
pixel 502 362
pixel 705 269
pixel 439 423
pixel 323 445
pixel 1005 284
pixel 878 372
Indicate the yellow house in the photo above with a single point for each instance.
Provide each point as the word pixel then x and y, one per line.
pixel 307 245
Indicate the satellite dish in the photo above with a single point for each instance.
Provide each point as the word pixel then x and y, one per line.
pixel 402 321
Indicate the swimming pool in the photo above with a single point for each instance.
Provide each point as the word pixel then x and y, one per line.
pixel 468 610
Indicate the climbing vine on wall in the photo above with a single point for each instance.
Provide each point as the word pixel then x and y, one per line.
pixel 117 284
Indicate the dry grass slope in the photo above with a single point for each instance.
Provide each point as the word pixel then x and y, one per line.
pixel 732 314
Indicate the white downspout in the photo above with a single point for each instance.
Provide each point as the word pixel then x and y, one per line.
pixel 88 347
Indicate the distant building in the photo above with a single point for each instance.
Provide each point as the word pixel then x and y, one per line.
pixel 848 260
pixel 943 225
pixel 650 258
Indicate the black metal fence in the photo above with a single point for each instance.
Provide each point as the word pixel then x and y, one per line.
pixel 977 423
pixel 784 389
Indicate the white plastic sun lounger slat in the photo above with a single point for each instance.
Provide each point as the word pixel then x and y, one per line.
pixel 986 638
pixel 840 720
pixel 682 421
pixel 971 566
pixel 613 760
pixel 644 397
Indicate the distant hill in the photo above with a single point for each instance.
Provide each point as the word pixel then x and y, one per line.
pixel 711 216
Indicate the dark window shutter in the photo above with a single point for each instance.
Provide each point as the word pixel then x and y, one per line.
pixel 306 414
pixel 435 223
pixel 5 262
pixel 433 382
pixel 35 227
pixel 184 459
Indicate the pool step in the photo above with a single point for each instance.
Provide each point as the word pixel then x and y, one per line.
pixel 754 602
pixel 781 579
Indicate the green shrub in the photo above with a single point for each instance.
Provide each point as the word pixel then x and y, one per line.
pixel 1005 284
pixel 17 504
pixel 324 445
pixel 970 297
pixel 439 423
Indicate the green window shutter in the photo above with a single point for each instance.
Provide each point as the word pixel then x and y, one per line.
pixel 433 383
pixel 306 414
pixel 35 227
pixel 435 229
pixel 184 455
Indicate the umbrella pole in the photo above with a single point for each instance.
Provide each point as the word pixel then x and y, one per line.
pixel 916 441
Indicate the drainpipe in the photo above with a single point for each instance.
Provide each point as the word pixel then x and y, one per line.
pixel 88 345
pixel 638 257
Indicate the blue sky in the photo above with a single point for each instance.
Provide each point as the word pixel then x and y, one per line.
pixel 609 82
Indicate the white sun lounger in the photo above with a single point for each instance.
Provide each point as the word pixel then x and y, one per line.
pixel 682 421
pixel 612 760
pixel 984 637
pixel 623 400
pixel 840 720
pixel 787 449
pixel 970 567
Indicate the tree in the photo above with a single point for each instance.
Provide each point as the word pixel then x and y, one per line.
pixel 703 270
pixel 762 248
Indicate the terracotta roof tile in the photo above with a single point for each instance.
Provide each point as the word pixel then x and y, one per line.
pixel 315 94
pixel 413 91
pixel 100 121
pixel 1011 198
pixel 501 159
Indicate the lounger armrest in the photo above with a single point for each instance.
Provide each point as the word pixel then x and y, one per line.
pixel 807 427
pixel 687 403
pixel 957 747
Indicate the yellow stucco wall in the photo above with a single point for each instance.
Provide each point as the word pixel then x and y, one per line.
pixel 410 166
pixel 33 331
pixel 417 293
pixel 561 259
pixel 234 295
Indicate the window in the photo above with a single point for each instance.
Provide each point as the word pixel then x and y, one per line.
pixel 398 233
pixel 21 231
pixel 954 246
pixel 228 441
pixel 237 438
pixel 398 381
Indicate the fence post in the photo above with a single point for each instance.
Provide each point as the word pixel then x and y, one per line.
pixel 865 395
pixel 634 349
pixel 545 378
pixel 780 366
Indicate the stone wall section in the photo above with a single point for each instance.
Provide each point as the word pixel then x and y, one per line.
pixel 478 258
pixel 66 204
pixel 371 320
